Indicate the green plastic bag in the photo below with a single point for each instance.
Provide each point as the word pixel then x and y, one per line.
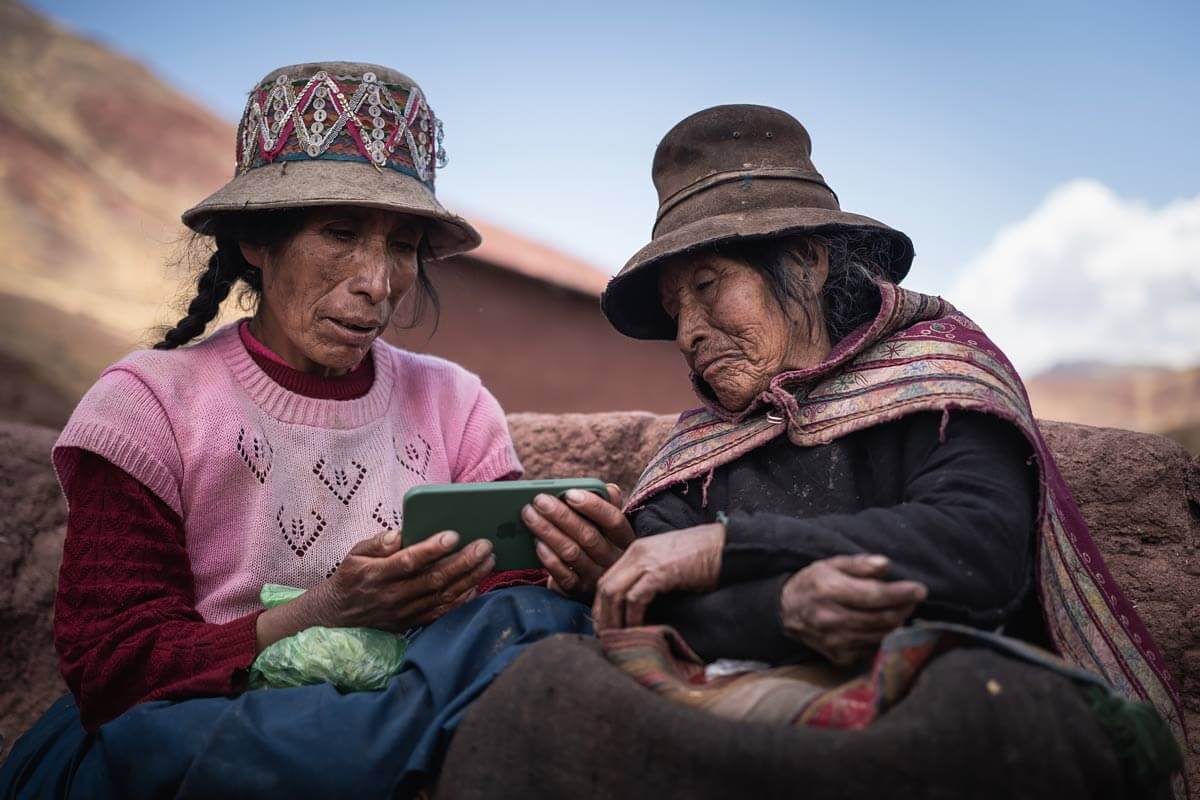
pixel 352 659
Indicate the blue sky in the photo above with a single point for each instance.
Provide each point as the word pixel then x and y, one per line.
pixel 951 121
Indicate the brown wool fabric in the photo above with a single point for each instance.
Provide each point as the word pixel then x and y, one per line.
pixel 732 172
pixel 551 734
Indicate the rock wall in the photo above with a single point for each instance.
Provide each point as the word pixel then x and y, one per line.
pixel 31 536
pixel 1139 493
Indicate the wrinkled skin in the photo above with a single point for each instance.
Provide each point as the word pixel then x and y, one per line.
pixel 328 293
pixel 732 331
pixel 332 289
pixel 736 336
pixel 842 608
pixel 687 560
pixel 579 537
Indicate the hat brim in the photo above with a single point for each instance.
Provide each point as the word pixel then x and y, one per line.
pixel 631 300
pixel 325 182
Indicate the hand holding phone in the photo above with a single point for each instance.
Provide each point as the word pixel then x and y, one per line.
pixel 579 536
pixel 489 511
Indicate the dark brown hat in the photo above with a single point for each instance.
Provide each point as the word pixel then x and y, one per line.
pixel 725 173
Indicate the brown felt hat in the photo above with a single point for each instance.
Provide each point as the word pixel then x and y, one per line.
pixel 726 173
pixel 339 133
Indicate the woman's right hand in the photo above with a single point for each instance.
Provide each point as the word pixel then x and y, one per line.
pixel 842 608
pixel 381 585
pixel 579 537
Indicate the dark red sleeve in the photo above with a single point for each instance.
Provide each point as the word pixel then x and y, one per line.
pixel 125 623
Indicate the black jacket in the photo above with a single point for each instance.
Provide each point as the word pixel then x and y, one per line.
pixel 953 508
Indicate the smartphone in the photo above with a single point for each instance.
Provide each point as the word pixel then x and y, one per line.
pixel 489 511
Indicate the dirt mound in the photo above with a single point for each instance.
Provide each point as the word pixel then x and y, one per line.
pixel 1139 493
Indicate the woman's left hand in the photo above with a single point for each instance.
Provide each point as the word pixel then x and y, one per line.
pixel 685 560
pixel 579 537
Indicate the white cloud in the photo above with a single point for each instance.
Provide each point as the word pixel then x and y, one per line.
pixel 1090 276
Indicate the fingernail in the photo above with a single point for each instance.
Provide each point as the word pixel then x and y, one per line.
pixel 575 495
pixel 390 538
pixel 542 551
pixel 528 514
pixel 448 539
pixel 481 547
pixel 877 561
pixel 544 502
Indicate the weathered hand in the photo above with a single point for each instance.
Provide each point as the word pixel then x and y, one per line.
pixel 580 538
pixel 684 560
pixel 381 585
pixel 840 608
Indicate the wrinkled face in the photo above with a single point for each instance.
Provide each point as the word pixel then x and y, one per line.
pixel 732 331
pixel 333 288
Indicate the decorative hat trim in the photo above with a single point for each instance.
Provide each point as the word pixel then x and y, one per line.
pixel 398 129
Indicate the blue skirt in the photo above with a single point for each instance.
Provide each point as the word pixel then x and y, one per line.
pixel 294 743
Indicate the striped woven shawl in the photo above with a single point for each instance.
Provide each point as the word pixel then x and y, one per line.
pixel 920 354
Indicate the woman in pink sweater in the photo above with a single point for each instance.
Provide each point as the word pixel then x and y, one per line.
pixel 276 450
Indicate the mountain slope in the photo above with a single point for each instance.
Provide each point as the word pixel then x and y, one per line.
pixel 1140 398
pixel 97 158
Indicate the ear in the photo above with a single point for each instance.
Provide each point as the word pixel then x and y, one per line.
pixel 818 268
pixel 254 254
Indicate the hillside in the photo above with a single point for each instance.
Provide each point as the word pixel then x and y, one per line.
pixel 1152 399
pixel 97 159
pixel 89 198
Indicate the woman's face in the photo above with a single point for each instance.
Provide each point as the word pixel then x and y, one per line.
pixel 333 288
pixel 732 331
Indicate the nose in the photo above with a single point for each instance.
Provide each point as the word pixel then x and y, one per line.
pixel 689 329
pixel 373 278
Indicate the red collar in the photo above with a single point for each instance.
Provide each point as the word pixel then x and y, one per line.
pixel 351 386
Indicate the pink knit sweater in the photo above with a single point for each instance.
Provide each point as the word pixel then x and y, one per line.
pixel 274 487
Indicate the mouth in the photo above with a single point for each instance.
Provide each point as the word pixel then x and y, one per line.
pixel 703 366
pixel 354 331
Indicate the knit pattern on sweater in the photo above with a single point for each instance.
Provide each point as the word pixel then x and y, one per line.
pixel 273 486
pixel 125 624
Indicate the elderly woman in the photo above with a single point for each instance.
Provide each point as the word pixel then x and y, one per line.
pixel 864 456
pixel 277 450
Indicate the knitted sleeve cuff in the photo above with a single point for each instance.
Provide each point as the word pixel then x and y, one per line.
pixel 486 452
pixel 123 451
pixel 121 420
pixel 501 465
pixel 236 645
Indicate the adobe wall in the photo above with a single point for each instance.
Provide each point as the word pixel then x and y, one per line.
pixel 539 347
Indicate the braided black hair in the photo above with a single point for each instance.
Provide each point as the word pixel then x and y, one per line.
pixel 226 266
pixel 212 287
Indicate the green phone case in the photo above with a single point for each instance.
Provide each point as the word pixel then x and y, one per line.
pixel 489 511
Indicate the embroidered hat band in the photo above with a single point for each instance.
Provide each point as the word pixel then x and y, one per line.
pixel 339 133
pixel 344 117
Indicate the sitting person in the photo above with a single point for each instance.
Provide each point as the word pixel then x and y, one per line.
pixel 864 456
pixel 277 450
